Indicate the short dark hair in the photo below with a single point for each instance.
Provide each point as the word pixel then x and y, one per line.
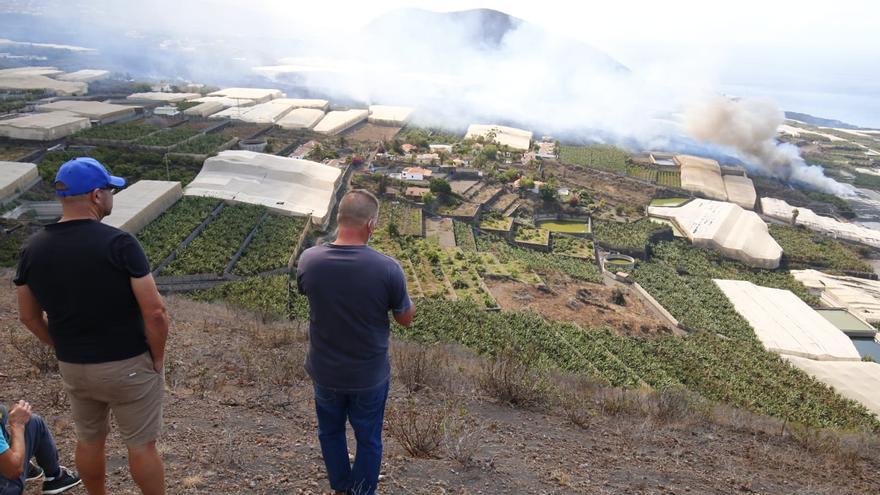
pixel 357 207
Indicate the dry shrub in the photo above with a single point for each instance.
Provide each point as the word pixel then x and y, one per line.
pixel 815 440
pixel 274 367
pixel 576 395
pixel 462 439
pixel 509 380
pixel 41 356
pixel 745 421
pixel 622 402
pixel 677 404
pixel 420 367
pixel 420 429
pixel 856 446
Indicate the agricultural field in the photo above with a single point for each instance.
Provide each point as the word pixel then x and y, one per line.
pixel 737 372
pixel 574 247
pixel 496 223
pixel 602 157
pixel 633 235
pixel 266 296
pixel 242 130
pixel 212 250
pixel 117 132
pixel 133 166
pixel 464 236
pixel 272 245
pixel 668 201
pixel 642 173
pixel 464 277
pixel 669 179
pixel 680 277
pixel 203 145
pixel 803 248
pixel 532 235
pixel 538 262
pixel 165 233
pixel 167 137
pixel 407 220
pixel 565 226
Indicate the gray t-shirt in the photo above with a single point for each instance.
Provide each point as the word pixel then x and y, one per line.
pixel 350 290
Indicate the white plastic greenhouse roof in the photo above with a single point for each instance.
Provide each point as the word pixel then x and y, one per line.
pixel 787 325
pixel 43 126
pixel 258 95
pixel 389 115
pixel 165 97
pixel 340 120
pixel 84 75
pixel 262 113
pixel 27 78
pixel 702 175
pixel 285 185
pixel 139 204
pixel 736 233
pixel 308 103
pixel 226 102
pixel 781 210
pixel 517 139
pixel 741 191
pixel 860 296
pixel 858 381
pixel 94 110
pixel 301 118
pixel 16 177
pixel 204 109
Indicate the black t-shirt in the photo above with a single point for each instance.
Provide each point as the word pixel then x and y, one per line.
pixel 80 272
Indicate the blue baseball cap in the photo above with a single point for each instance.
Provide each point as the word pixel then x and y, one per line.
pixel 82 175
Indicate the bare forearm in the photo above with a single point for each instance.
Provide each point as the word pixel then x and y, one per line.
pixel 39 327
pixel 156 330
pixel 17 448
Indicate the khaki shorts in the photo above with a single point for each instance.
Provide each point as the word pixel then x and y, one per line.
pixel 130 388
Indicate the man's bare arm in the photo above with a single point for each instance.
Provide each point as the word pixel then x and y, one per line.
pixel 12 461
pixel 155 317
pixel 406 317
pixel 31 314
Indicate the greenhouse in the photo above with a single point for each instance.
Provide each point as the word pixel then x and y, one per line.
pixel 163 97
pixel 85 75
pixel 286 185
pixel 224 101
pixel 43 126
pixel 15 178
pixel 781 210
pixel 512 137
pixel 859 295
pixel 257 95
pixel 338 121
pixel 24 80
pixel 94 110
pixel 726 228
pixel 301 118
pixel 139 204
pixel 204 109
pixel 389 115
pixel 702 175
pixel 787 325
pixel 741 191
pixel 262 113
pixel 309 103
pixel 858 381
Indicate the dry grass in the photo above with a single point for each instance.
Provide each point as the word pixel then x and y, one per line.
pixel 509 380
pixel 420 367
pixel 419 428
pixel 41 356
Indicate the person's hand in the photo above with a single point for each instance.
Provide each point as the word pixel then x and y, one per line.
pixel 20 414
pixel 158 365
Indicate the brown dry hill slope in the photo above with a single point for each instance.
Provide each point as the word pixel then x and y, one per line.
pixel 239 419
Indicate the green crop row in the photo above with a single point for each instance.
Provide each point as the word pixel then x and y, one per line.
pixel 165 233
pixel 272 245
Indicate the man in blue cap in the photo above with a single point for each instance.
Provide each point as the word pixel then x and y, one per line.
pixel 85 288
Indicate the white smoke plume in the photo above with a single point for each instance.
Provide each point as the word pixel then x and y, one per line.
pixel 749 126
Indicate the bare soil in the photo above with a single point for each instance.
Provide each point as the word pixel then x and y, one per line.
pixel 615 190
pixel 586 304
pixel 239 418
pixel 372 133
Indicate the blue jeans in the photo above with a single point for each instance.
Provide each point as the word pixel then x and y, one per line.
pixel 38 442
pixel 365 411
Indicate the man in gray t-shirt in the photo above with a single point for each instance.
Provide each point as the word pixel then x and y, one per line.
pixel 351 288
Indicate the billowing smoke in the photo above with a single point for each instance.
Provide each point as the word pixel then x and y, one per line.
pixel 749 126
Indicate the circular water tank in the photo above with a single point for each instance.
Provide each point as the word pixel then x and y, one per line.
pixel 619 262
pixel 256 144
